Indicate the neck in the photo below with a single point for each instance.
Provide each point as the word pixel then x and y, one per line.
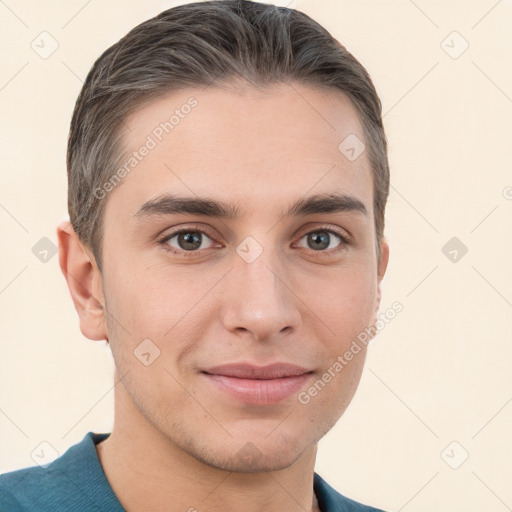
pixel 147 471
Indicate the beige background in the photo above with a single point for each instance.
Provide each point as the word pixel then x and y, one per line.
pixel 438 373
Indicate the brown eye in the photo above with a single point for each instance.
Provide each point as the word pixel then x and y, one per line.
pixel 185 241
pixel 324 240
pixel 189 240
pixel 319 240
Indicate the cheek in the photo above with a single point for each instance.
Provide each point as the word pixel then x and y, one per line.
pixel 343 300
pixel 157 297
pixel 172 309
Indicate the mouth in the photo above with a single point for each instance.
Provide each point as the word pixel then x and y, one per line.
pixel 258 385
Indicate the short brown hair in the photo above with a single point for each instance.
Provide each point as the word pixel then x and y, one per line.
pixel 207 44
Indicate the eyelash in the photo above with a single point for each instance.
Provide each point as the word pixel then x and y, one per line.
pixel 344 241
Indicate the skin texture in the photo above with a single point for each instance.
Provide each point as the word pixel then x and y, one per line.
pixel 178 442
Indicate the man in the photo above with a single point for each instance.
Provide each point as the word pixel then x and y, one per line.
pixel 228 178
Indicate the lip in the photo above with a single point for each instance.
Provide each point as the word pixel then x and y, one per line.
pixel 258 385
pixel 251 371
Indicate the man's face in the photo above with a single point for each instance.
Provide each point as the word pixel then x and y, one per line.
pixel 258 288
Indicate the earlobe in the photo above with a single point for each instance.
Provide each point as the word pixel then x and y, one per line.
pixel 84 282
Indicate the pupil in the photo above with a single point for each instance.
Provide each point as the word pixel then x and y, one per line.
pixel 189 240
pixel 322 239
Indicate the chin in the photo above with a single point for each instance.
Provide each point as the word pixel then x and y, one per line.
pixel 253 454
pixel 250 460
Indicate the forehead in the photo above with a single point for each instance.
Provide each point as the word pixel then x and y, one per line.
pixel 238 144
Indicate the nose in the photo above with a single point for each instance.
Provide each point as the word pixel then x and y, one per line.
pixel 260 298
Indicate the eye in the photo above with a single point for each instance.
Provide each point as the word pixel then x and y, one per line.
pixel 324 240
pixel 185 241
pixel 192 241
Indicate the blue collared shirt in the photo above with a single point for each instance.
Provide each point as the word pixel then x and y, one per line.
pixel 75 481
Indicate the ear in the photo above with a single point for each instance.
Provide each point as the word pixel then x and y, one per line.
pixel 381 270
pixel 84 282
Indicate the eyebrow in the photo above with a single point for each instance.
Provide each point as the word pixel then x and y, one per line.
pixel 169 204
